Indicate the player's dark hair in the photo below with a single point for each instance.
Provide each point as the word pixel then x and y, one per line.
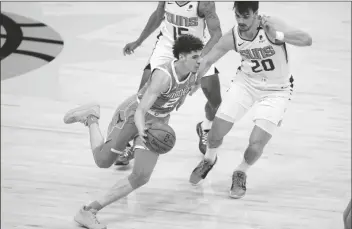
pixel 186 44
pixel 243 7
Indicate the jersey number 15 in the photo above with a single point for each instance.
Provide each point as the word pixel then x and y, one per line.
pixel 178 32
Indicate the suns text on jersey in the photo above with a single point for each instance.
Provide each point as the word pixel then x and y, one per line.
pixel 181 20
pixel 258 53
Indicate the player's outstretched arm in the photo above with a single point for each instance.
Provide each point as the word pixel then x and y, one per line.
pixel 278 30
pixel 153 23
pixel 225 44
pixel 208 11
pixel 160 82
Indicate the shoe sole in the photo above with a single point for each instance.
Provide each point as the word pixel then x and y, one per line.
pixel 235 196
pixel 86 226
pixel 198 130
pixel 68 118
pixel 122 163
pixel 199 133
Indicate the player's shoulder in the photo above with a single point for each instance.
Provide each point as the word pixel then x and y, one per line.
pixel 162 72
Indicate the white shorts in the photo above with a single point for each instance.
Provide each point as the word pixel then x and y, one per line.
pixel 162 53
pixel 269 105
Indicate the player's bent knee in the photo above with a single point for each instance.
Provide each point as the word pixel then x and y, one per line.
pixel 103 159
pixel 138 180
pixel 266 125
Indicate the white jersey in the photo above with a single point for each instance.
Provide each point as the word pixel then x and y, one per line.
pixel 266 64
pixel 182 19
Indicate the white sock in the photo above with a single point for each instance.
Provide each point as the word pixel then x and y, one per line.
pixel 243 166
pixel 206 124
pixel 211 154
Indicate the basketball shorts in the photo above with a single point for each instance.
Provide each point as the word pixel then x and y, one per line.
pixel 269 105
pixel 162 53
pixel 122 128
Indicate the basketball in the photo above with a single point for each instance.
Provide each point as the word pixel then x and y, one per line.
pixel 161 138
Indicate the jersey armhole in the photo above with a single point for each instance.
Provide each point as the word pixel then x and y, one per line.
pixel 167 73
pixel 275 42
pixel 234 38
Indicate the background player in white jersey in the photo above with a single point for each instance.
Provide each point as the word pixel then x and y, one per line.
pixel 177 18
pixel 164 92
pixel 263 79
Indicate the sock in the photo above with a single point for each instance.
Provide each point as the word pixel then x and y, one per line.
pixel 91 119
pixel 206 124
pixel 94 205
pixel 210 155
pixel 243 166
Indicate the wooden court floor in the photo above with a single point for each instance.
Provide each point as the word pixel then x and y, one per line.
pixel 302 181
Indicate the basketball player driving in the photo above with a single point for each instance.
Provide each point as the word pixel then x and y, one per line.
pixel 164 92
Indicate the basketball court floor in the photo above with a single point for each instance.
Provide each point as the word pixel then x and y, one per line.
pixel 302 181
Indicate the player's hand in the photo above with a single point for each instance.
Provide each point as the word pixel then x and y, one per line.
pixel 194 89
pixel 130 47
pixel 180 102
pixel 142 133
pixel 268 25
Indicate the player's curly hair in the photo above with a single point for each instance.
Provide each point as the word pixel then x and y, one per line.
pixel 186 44
pixel 244 6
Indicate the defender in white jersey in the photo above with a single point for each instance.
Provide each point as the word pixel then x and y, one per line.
pixel 164 92
pixel 177 18
pixel 263 79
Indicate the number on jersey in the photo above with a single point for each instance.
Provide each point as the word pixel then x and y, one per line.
pixel 266 65
pixel 178 32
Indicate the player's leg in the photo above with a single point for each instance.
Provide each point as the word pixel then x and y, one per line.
pixel 121 133
pixel 268 116
pixel 210 85
pixel 347 216
pixel 236 102
pixel 144 164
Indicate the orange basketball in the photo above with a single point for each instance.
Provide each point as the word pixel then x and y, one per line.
pixel 161 138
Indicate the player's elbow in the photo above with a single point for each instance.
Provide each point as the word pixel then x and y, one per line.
pixel 306 40
pixel 310 41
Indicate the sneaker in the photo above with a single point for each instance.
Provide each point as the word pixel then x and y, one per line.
pixel 88 219
pixel 126 157
pixel 201 171
pixel 81 114
pixel 203 138
pixel 238 187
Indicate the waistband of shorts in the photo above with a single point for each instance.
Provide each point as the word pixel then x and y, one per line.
pixel 156 114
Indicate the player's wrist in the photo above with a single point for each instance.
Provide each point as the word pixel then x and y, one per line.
pixel 139 41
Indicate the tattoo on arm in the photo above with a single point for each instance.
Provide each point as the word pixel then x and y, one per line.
pixel 208 10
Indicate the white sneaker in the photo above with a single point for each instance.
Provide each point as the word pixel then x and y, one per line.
pixel 88 219
pixel 80 114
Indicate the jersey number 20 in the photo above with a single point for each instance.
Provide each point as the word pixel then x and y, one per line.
pixel 178 32
pixel 266 64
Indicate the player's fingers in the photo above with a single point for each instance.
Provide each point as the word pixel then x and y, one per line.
pixel 125 51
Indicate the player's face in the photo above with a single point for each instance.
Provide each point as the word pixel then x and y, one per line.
pixel 192 61
pixel 245 20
